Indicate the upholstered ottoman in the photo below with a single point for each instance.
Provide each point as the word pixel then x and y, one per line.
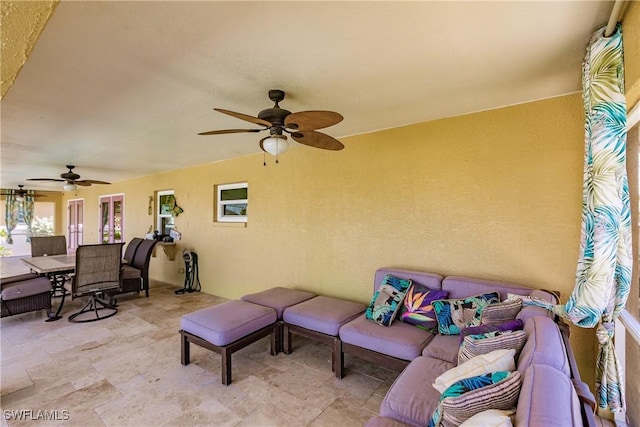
pixel 226 328
pixel 279 299
pixel 319 318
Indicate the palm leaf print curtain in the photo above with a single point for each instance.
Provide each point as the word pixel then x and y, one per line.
pixel 28 211
pixel 10 215
pixel 603 274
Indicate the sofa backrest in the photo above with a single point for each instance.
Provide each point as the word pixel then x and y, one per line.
pixel 547 398
pixel 461 287
pixel 430 280
pixel 544 346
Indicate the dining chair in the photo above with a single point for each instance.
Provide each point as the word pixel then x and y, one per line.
pixel 98 270
pixel 51 245
pixel 48 245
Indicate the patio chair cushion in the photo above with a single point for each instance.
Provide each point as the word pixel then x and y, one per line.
pixel 25 288
pixel 323 314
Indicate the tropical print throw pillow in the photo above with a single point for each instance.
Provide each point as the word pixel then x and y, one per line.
pixel 456 314
pixel 417 308
pixel 387 300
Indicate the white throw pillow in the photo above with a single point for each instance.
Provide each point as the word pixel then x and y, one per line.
pixel 490 418
pixel 498 360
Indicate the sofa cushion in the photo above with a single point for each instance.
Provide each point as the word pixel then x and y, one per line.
pixel 544 346
pixel 500 312
pixel 26 288
pixel 443 347
pixel 547 398
pixel 470 396
pixel 455 314
pixel 278 298
pixel 398 340
pixel 227 322
pixel 474 345
pixel 410 399
pixel 322 314
pixel 417 308
pixel 128 272
pixel 460 287
pixel 498 360
pixel 430 280
pixel 387 300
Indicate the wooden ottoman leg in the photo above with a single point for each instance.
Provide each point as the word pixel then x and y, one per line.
pixel 276 333
pixel 226 365
pixel 185 350
pixel 286 339
pixel 338 359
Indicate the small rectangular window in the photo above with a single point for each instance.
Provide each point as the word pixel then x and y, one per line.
pixel 232 202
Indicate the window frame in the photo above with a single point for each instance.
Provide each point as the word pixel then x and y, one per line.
pixel 220 204
pixel 159 214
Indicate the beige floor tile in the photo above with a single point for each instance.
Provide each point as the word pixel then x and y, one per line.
pixel 126 371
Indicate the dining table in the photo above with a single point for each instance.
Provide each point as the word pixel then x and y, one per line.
pixel 57 268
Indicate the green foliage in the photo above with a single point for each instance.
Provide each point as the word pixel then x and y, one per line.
pixel 42 226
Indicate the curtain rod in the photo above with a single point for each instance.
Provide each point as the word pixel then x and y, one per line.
pixel 616 15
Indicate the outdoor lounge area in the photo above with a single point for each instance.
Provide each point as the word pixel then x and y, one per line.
pixel 126 370
pixel 273 180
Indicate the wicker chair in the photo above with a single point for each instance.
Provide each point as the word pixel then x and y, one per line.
pixel 25 293
pixel 135 275
pixel 98 270
pixel 130 251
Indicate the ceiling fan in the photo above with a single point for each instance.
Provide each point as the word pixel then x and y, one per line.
pixel 71 179
pixel 19 194
pixel 300 126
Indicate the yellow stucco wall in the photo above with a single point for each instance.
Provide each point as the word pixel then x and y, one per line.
pixel 494 195
pixel 631 46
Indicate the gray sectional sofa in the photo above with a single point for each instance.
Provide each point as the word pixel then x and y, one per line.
pixel 551 392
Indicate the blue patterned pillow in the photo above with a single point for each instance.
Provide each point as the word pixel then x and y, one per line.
pixel 387 300
pixel 456 314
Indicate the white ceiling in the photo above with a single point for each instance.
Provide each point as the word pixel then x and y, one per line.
pixel 121 89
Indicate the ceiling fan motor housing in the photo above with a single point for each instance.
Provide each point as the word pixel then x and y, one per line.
pixel 275 116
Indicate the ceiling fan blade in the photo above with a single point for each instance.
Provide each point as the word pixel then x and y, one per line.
pixel 88 182
pixel 220 132
pixel 47 179
pixel 312 120
pixel 318 140
pixel 245 117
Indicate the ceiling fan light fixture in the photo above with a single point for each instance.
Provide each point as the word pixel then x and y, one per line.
pixel 20 198
pixel 275 144
pixel 69 187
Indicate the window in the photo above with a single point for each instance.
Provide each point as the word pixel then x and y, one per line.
pixel 164 208
pixel 627 336
pixel 231 202
pixel 43 224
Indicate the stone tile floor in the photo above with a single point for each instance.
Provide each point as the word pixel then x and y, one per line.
pixel 126 371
